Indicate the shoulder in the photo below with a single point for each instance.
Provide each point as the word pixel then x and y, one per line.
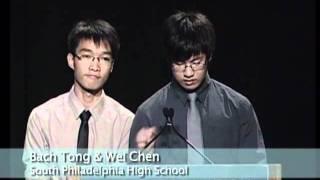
pixel 51 105
pixel 41 114
pixel 119 109
pixel 156 100
pixel 229 95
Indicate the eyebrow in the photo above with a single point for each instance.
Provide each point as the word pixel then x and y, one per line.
pixel 90 51
pixel 196 58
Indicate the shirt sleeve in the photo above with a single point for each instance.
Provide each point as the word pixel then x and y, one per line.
pixel 35 141
pixel 126 131
pixel 251 136
pixel 35 137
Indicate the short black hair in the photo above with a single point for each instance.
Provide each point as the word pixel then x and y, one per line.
pixel 187 34
pixel 97 30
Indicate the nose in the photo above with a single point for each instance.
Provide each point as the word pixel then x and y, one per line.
pixel 188 72
pixel 95 64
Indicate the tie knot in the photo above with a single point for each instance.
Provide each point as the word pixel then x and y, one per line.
pixel 85 115
pixel 192 97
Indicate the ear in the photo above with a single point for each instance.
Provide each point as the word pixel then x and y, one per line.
pixel 211 57
pixel 112 66
pixel 70 59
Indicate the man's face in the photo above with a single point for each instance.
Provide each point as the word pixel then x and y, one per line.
pixel 92 65
pixel 190 73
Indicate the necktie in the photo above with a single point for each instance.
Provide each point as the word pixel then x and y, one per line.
pixel 83 135
pixel 194 130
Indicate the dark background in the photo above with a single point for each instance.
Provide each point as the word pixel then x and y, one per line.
pixel 266 50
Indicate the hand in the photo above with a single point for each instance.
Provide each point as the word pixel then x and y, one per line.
pixel 73 178
pixel 144 136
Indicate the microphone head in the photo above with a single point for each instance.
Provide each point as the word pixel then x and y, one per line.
pixel 170 112
pixel 165 111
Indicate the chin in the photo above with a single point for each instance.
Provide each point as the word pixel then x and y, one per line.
pixel 93 88
pixel 190 88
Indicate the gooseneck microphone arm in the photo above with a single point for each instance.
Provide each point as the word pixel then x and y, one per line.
pixel 153 139
pixel 169 113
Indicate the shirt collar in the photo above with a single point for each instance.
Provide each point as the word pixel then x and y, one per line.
pixel 77 107
pixel 202 91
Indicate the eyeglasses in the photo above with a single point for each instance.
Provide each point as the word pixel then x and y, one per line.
pixel 90 58
pixel 195 64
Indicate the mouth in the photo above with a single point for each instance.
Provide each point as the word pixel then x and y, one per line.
pixel 189 82
pixel 90 76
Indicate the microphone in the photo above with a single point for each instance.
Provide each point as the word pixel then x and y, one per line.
pixel 169 113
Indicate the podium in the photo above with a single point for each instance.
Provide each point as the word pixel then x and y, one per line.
pixel 236 171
